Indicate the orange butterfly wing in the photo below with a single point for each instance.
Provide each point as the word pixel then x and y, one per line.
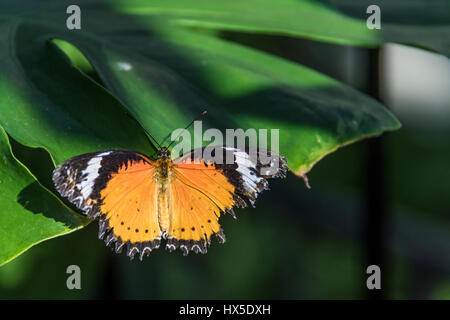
pixel 200 191
pixel 196 199
pixel 120 189
pixel 129 204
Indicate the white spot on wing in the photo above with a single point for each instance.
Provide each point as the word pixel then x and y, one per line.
pixel 103 154
pixel 90 174
pixel 244 168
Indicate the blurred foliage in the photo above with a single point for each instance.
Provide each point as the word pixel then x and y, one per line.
pixel 421 23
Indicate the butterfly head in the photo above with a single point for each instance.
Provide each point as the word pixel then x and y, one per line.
pixel 163 153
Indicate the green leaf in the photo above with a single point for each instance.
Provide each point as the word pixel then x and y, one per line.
pixel 169 77
pixel 423 23
pixel 29 213
pixel 240 88
pixel 157 76
pixel 299 18
pixel 46 102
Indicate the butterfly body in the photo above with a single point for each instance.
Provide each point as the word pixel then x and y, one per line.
pixel 164 170
pixel 141 201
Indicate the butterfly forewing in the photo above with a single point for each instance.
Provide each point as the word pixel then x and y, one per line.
pixel 118 187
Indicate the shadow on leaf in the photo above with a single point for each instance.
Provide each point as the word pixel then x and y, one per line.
pixel 35 199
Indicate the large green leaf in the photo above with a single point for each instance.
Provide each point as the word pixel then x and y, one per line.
pixel 46 102
pixel 169 77
pixel 29 213
pixel 158 76
pixel 241 88
pixel 422 23
pixel 300 18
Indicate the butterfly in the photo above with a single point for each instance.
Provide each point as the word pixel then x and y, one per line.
pixel 140 200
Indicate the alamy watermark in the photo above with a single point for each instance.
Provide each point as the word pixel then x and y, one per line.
pixel 374 280
pixel 74 280
pixel 374 20
pixel 74 20
pixel 249 145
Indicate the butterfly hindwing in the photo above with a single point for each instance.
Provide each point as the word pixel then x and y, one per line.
pixel 197 197
pixel 202 188
pixel 118 187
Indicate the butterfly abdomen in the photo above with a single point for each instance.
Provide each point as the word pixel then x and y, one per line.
pixel 164 169
pixel 163 210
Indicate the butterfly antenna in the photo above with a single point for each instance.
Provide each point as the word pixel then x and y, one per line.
pixel 201 115
pixel 153 138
